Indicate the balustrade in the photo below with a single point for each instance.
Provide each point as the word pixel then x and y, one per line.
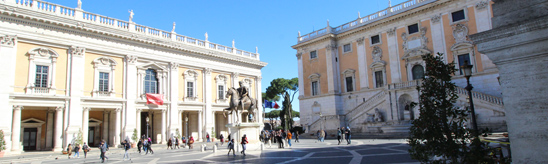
pixel 46 7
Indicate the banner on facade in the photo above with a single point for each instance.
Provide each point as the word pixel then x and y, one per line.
pixel 157 99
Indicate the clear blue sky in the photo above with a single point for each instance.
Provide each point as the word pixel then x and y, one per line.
pixel 270 25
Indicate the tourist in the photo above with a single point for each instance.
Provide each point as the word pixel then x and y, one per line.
pixel 318 135
pixel 177 142
pixel 145 145
pixel 126 147
pixel 348 135
pixel 77 150
pixel 296 136
pixel 222 139
pixel 85 148
pixel 339 133
pixel 106 145
pixel 149 146
pixel 289 138
pixel 231 147
pixel 244 142
pixel 190 142
pixel 139 145
pixel 103 148
pixel 69 150
pixel 169 143
pixel 322 135
pixel 207 137
pixel 282 139
pixel 279 139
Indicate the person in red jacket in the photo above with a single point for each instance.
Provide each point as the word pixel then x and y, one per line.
pixel 244 142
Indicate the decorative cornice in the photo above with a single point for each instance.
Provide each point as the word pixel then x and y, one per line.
pixel 77 51
pixel 332 46
pixel 174 65
pixel 208 71
pixel 481 5
pixel 436 18
pixel 511 30
pixel 8 40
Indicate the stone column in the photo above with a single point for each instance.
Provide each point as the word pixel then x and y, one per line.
pixel 16 129
pixel 301 76
pixel 200 126
pixel 362 63
pixel 58 139
pixel 138 123
pixel 393 56
pixel 174 113
pixel 85 124
pixel 258 97
pixel 49 130
pixel 517 46
pixel 117 128
pixel 438 36
pixel 164 115
pixel 106 125
pixel 332 68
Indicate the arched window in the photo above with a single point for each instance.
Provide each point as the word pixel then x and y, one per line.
pixel 151 81
pixel 418 72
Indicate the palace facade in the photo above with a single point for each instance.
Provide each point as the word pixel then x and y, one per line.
pixel 67 72
pixel 364 74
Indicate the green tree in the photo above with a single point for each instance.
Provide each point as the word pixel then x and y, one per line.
pixel 135 136
pixel 440 129
pixel 286 88
pixel 79 138
pixel 2 142
pixel 273 115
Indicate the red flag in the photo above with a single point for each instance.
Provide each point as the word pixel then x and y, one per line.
pixel 157 99
pixel 276 106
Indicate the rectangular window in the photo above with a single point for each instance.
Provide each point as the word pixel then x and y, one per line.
pixel 375 39
pixel 41 76
pixel 462 58
pixel 313 55
pixel 347 48
pixel 189 89
pixel 349 84
pixel 103 81
pixel 413 28
pixel 379 79
pixel 458 15
pixel 315 88
pixel 221 92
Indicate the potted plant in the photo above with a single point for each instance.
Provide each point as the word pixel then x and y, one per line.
pixel 2 144
pixel 134 137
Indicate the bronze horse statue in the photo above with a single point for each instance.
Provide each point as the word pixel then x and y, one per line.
pixel 235 105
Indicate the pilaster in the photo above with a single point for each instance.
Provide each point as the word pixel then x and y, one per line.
pixel 362 63
pixel 8 51
pixel 58 140
pixel 209 118
pixel 164 112
pixel 131 94
pixel 16 130
pixel 438 35
pixel 117 128
pixel 175 115
pixel 49 129
pixel 301 76
pixel 77 77
pixel 85 124
pixel 332 68
pixel 259 99
pixel 393 55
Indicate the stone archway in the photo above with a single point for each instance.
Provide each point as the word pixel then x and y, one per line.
pixel 404 108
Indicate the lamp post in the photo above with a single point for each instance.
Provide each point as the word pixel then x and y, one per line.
pixel 467 69
pixel 147 125
pixel 186 125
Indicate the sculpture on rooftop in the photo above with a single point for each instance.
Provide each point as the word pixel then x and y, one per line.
pixel 173 29
pixel 79 4
pixel 131 15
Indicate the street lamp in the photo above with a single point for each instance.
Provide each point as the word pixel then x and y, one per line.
pixel 186 125
pixel 147 125
pixel 467 69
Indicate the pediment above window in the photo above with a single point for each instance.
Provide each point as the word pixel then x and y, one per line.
pixel 155 66
pixel 190 74
pixel 32 122
pixel 415 54
pixel 42 52
pixel 348 72
pixel 104 61
pixel 314 76
pixel 221 78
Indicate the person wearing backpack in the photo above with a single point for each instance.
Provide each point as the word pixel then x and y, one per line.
pixel 69 150
pixel 103 148
pixel 77 151
pixel 244 143
pixel 85 148
pixel 126 147
pixel 231 147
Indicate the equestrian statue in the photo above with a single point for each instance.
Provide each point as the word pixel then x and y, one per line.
pixel 240 100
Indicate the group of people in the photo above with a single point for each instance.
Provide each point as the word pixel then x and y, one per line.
pixel 344 133
pixel 146 145
pixel 231 145
pixel 279 137
pixel 76 149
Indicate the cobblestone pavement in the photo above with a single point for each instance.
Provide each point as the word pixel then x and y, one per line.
pixel 307 151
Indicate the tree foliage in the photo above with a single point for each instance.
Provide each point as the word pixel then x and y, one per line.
pixel 286 88
pixel 2 142
pixel 440 129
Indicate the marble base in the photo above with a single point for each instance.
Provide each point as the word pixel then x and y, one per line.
pixel 252 132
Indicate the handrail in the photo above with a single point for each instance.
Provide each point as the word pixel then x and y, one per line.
pixel 87 17
pixel 404 6
pixel 481 96
pixel 367 103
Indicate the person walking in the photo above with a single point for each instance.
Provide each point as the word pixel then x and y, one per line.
pixel 207 137
pixel 191 142
pixel 139 145
pixel 77 151
pixel 231 147
pixel 222 139
pixel 85 149
pixel 339 133
pixel 296 136
pixel 149 146
pixel 69 150
pixel 103 148
pixel 244 143
pixel 348 136
pixel 289 138
pixel 106 145
pixel 126 147
pixel 279 139
pixel 145 143
pixel 318 135
pixel 169 143
pixel 177 143
pixel 322 135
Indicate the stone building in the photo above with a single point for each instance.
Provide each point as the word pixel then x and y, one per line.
pixel 363 74
pixel 67 71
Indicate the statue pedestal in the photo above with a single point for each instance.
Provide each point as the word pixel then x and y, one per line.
pixel 252 132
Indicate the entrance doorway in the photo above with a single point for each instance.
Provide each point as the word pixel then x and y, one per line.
pixel 29 138
pixel 144 126
pixel 91 136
